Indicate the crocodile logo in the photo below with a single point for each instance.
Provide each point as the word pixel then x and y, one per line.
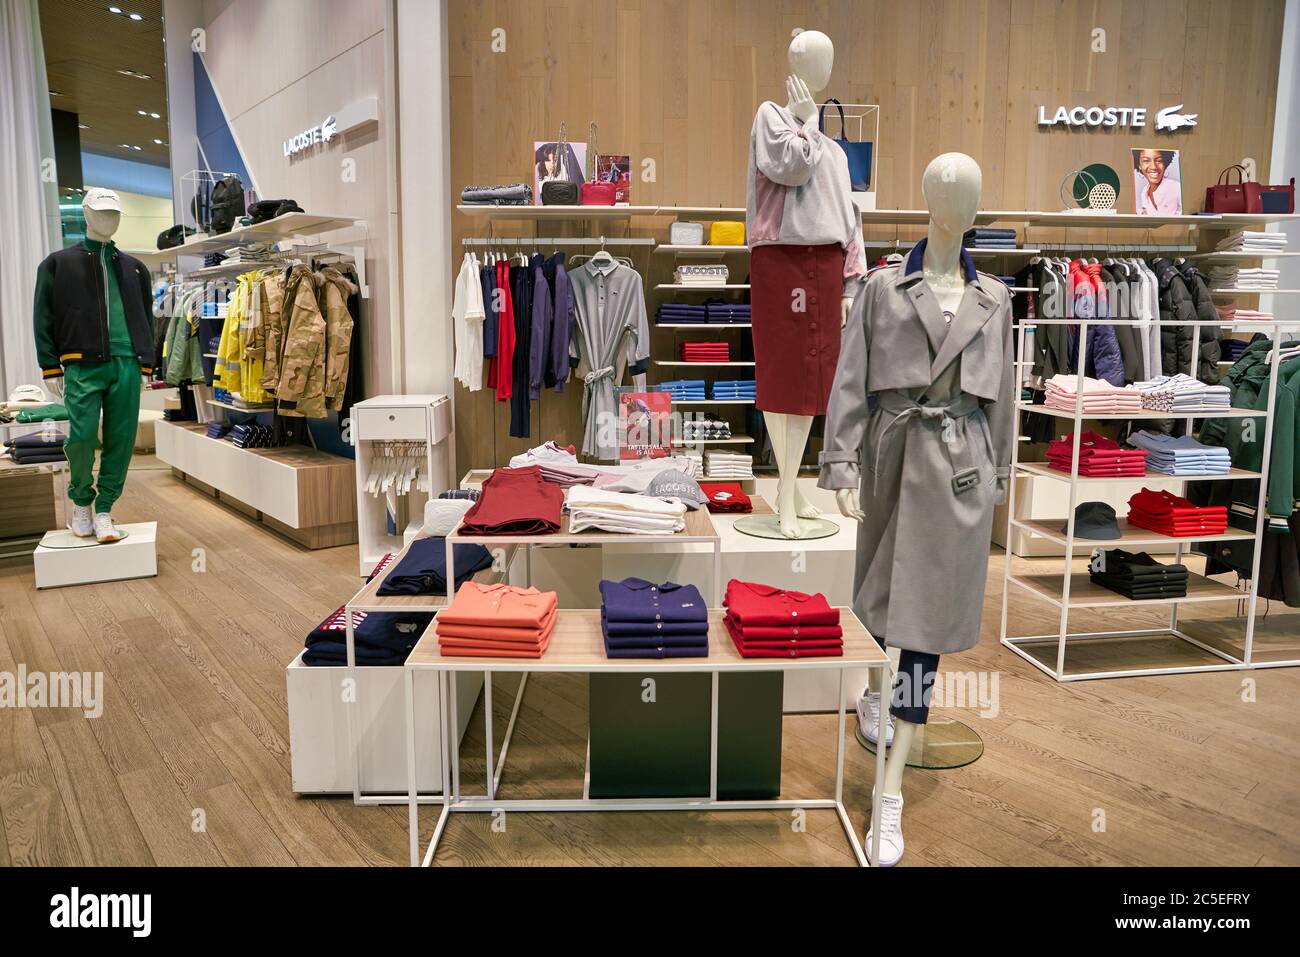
pixel 1169 119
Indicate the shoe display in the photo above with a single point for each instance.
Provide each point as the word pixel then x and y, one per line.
pixel 869 719
pixel 891 831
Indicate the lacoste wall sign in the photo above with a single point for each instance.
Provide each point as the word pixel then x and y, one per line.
pixel 1167 120
pixel 313 136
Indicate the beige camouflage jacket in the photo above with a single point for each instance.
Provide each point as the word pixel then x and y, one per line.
pixel 308 338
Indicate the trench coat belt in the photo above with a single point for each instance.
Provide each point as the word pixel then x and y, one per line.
pixel 592 379
pixel 905 409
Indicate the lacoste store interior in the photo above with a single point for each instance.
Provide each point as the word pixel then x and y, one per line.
pixel 467 433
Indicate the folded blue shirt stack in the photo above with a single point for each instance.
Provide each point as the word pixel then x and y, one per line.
pixel 675 312
pixel 735 389
pixel 989 238
pixel 642 620
pixel 1181 456
pixel 683 390
pixel 718 311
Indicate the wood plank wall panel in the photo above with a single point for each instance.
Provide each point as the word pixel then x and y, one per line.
pixel 679 81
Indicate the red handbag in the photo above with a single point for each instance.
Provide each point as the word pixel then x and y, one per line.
pixel 594 192
pixel 1225 197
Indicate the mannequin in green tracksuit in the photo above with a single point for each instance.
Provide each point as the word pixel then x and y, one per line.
pixel 100 371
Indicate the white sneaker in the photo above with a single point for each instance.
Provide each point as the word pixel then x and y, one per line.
pixel 83 521
pixel 105 531
pixel 869 719
pixel 891 831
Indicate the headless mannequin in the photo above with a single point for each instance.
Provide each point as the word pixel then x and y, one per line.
pixel 951 187
pixel 812 55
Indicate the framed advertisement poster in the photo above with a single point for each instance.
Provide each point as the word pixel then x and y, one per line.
pixel 1157 182
pixel 551 161
pixel 645 425
pixel 616 168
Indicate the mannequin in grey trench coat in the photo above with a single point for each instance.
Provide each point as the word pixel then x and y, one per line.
pixel 918 446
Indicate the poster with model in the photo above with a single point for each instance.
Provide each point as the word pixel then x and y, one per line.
pixel 616 168
pixel 1157 183
pixel 564 161
pixel 645 429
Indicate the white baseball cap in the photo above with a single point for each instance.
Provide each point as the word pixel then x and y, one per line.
pixel 101 199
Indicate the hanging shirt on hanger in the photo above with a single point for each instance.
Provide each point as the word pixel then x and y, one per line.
pixel 468 316
pixel 501 371
pixel 521 290
pixel 488 278
pixel 609 304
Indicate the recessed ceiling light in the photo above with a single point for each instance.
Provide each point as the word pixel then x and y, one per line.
pixel 141 113
pixel 156 116
pixel 136 74
pixel 117 10
pixel 82 126
pixel 158 142
pixel 55 93
pixel 135 16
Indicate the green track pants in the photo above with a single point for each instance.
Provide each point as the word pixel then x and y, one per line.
pixel 90 389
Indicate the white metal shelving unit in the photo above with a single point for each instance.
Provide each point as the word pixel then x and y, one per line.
pixel 1070 589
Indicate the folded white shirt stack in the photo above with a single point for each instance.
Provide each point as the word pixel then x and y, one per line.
pixel 1099 396
pixel 728 465
pixel 1182 393
pixel 1251 241
pixel 622 512
pixel 1230 277
pixel 637 475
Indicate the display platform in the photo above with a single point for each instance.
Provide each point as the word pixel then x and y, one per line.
pixel 577 647
pixel 938 745
pixel 64 559
pixel 769 526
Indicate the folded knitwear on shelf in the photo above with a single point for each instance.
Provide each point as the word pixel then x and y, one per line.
pixel 46 440
pixel 1237 314
pixel 423 569
pixel 727 311
pixel 496 621
pixel 1183 455
pixel 624 512
pixel 735 389
pixel 726 497
pixel 768 622
pixel 640 619
pixel 728 465
pixel 1173 515
pixel 1246 240
pixel 671 313
pixel 1182 393
pixel 1098 456
pixel 1099 396
pixel 683 390
pixel 705 352
pixel 515 501
pixel 379 638
pixel 1139 576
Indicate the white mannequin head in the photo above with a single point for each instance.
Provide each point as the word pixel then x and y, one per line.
pixel 103 212
pixel 951 186
pixel 812 55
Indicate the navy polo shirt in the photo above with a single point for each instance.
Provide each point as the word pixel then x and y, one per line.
pixel 637 600
pixel 423 571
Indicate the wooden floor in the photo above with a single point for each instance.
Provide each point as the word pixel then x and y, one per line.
pixel 1178 770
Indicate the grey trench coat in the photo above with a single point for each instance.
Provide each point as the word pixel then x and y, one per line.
pixel 918 409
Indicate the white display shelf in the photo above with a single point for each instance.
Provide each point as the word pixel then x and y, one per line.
pixel 702 250
pixel 1085 594
pixel 1129 535
pixel 977 253
pixel 1237 257
pixel 274 230
pixel 1147 413
pixel 1255 292
pixel 734 440
pixel 702 365
pixel 1151 476
pixel 700 286
pixel 713 401
pixel 703 325
pixel 556 212
pixel 239 408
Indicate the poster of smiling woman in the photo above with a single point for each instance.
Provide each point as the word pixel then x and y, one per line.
pixel 1157 183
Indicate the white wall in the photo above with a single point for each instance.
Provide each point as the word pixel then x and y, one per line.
pixel 1285 161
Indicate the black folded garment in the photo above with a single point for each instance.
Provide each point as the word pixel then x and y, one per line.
pixel 36 440
pixel 38 457
pixel 1139 576
pixel 423 571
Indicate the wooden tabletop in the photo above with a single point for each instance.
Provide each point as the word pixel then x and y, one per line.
pixel 577 646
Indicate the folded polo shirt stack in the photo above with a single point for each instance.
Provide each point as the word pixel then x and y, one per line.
pixel 769 622
pixel 718 311
pixel 36 448
pixel 380 638
pixel 642 620
pixel 726 497
pixel 674 313
pixel 705 352
pixel 598 508
pixel 1139 576
pixel 496 621
pixel 1099 396
pixel 728 465
pixel 1099 457
pixel 1183 455
pixel 1182 393
pixel 683 390
pixel 735 389
pixel 1173 515
pixel 423 569
pixel 515 502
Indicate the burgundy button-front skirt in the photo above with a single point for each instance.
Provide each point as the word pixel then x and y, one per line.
pixel 795 294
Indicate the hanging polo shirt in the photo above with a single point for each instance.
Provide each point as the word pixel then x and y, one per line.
pixel 498 606
pixel 637 600
pixel 515 502
pixel 488 278
pixel 753 604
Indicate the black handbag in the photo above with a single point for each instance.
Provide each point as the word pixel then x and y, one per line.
pixel 558 190
pixel 266 209
pixel 174 236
